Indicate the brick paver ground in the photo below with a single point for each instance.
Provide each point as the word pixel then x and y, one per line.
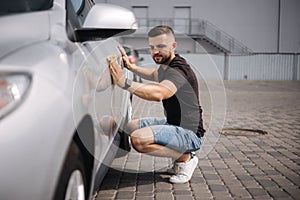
pixel 239 166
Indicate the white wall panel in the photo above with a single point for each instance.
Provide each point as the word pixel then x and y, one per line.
pixel 254 67
pixel 261 67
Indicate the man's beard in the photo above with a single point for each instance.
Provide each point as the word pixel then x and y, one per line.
pixel 164 60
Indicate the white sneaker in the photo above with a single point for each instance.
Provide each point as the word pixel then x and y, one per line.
pixel 185 171
pixel 173 169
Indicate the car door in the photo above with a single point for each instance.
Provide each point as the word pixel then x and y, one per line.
pixel 106 103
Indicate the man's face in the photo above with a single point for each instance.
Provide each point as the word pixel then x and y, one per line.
pixel 162 48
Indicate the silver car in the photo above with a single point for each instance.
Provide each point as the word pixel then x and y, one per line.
pixel 61 116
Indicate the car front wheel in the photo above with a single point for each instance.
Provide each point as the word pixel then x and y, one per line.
pixel 72 181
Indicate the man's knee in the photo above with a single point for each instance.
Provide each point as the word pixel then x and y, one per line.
pixel 141 139
pixel 137 143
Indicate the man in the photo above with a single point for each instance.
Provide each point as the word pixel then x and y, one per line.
pixel 181 132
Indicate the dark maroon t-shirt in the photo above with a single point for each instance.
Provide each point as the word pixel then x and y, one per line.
pixel 183 108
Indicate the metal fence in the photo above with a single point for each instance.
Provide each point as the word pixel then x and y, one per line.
pixel 264 67
pixel 199 28
pixel 246 67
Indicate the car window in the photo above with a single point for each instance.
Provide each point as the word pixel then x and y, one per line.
pixel 17 6
pixel 77 5
pixel 77 11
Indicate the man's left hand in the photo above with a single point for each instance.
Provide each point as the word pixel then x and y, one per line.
pixel 117 72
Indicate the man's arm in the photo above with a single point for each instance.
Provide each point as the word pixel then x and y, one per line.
pixel 145 73
pixel 153 92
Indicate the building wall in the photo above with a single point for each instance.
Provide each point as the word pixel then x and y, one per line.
pixel 290 26
pixel 262 25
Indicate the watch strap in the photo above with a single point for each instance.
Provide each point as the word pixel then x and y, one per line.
pixel 128 83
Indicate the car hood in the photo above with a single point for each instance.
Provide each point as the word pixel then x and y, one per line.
pixel 19 30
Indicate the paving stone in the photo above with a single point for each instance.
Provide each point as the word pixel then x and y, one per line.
pixel 239 192
pixel 257 192
pixel 164 196
pixel 244 177
pixel 109 194
pixel 144 198
pixel 183 192
pixel 197 180
pixel 215 187
pixel 231 167
pixel 144 194
pixel 181 186
pixel 211 177
pixel 265 183
pixel 145 188
pixel 203 196
pixel 293 191
pixel 184 197
pixel 105 198
pixel 222 195
pixel 125 195
pixel 278 193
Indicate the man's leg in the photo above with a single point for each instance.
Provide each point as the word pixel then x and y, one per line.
pixel 142 141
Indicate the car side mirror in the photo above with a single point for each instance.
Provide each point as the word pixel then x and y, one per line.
pixel 104 21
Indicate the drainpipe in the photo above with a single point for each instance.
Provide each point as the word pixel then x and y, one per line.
pixel 278 26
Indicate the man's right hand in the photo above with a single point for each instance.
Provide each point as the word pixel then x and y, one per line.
pixel 126 61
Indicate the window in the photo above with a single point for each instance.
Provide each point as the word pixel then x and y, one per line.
pixel 182 17
pixel 141 13
pixel 17 6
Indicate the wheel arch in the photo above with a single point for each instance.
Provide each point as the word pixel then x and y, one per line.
pixel 85 139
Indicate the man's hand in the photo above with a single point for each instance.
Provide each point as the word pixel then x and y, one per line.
pixel 116 72
pixel 126 61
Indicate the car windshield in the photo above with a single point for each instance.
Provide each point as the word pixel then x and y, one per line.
pixel 19 6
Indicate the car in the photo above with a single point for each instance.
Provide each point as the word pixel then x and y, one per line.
pixel 134 58
pixel 62 117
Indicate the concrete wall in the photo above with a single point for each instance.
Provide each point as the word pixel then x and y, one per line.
pixel 262 25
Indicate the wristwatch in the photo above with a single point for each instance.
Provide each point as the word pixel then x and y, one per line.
pixel 128 83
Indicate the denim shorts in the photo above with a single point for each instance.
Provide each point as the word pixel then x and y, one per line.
pixel 174 137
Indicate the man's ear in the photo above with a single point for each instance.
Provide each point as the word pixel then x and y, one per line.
pixel 174 46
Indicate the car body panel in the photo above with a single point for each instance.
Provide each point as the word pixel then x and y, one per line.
pixel 69 82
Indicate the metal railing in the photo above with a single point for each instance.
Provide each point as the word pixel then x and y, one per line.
pixel 199 29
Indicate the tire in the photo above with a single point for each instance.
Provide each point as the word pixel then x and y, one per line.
pixel 125 145
pixel 72 181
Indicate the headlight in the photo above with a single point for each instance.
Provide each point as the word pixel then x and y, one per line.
pixel 13 89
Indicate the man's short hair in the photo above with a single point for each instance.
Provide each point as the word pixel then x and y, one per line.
pixel 159 30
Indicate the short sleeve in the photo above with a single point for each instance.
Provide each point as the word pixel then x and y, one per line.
pixel 176 76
